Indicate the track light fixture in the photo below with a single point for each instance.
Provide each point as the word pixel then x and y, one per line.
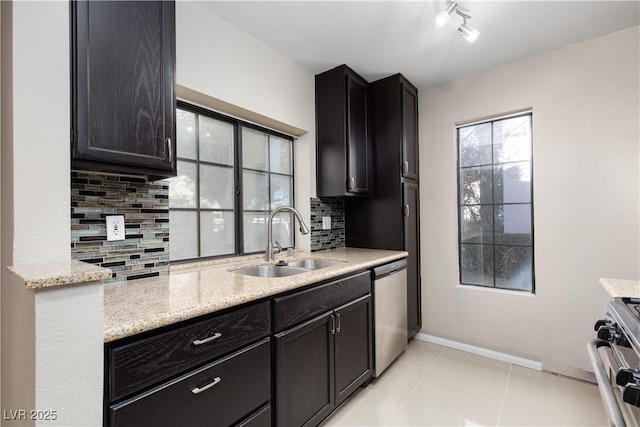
pixel 445 15
pixel 466 30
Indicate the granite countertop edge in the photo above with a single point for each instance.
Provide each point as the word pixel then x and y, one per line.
pixel 618 288
pixel 130 308
pixel 38 276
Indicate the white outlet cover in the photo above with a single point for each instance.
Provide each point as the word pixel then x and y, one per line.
pixel 115 227
pixel 326 223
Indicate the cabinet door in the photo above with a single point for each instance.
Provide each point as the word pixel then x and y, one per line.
pixel 357 143
pixel 124 86
pixel 409 131
pixel 353 347
pixel 343 148
pixel 412 245
pixel 304 367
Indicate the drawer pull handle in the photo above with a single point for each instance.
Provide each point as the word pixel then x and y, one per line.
pixel 198 390
pixel 206 340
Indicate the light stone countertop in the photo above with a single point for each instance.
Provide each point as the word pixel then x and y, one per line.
pixel 621 287
pixel 49 275
pixel 197 289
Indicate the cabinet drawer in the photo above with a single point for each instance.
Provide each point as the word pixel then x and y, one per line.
pixel 293 309
pixel 143 363
pixel 260 418
pixel 241 384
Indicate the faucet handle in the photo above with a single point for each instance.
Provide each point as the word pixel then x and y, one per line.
pixel 277 248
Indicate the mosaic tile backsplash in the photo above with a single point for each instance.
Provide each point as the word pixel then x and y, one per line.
pixel 327 239
pixel 145 206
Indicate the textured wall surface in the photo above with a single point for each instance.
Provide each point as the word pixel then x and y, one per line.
pixel 145 206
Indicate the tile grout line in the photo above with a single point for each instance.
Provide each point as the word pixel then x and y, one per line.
pixel 419 382
pixel 566 414
pixel 545 407
pixel 504 397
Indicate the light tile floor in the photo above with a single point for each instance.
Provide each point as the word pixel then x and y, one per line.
pixel 430 385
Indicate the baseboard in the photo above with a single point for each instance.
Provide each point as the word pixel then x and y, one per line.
pixel 492 354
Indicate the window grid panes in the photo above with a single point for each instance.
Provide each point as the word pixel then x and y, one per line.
pixel 230 175
pixel 267 181
pixel 495 207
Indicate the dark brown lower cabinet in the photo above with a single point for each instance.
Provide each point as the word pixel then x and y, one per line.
pixel 241 368
pixel 260 418
pixel 304 367
pixel 219 394
pixel 411 200
pixel 321 362
pixel 353 340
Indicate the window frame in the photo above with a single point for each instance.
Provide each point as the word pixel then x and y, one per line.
pixel 460 205
pixel 238 169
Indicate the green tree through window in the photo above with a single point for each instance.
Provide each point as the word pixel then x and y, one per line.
pixel 495 214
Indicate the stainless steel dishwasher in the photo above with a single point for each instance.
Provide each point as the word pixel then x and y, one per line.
pixel 390 313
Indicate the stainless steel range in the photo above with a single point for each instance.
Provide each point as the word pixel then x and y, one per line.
pixel 615 356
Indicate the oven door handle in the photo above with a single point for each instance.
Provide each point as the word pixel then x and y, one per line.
pixel 604 385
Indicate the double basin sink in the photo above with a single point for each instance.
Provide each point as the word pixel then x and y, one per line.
pixel 290 269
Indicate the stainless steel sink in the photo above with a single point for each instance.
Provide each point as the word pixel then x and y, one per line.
pixel 271 271
pixel 314 264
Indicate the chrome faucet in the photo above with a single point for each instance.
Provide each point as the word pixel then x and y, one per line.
pixel 268 256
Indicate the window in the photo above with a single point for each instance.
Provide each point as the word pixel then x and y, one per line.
pixel 230 175
pixel 495 203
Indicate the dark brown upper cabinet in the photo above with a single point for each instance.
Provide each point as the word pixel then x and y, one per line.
pixel 343 148
pixel 393 112
pixel 123 87
pixel 409 114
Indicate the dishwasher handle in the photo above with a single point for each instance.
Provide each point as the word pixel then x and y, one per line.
pixel 388 269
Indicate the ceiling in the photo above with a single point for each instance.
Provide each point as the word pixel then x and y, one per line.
pixel 380 38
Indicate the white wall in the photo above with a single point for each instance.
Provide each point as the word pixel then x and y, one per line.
pixel 218 60
pixel 47 363
pixel 41 123
pixel 586 138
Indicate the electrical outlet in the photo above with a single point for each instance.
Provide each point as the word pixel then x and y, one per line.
pixel 115 227
pixel 326 223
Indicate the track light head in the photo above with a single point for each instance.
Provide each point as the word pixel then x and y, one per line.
pixel 468 32
pixel 444 16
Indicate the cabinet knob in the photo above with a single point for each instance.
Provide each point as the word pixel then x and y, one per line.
pixel 405 167
pixel 338 323
pixel 352 183
pixel 406 210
